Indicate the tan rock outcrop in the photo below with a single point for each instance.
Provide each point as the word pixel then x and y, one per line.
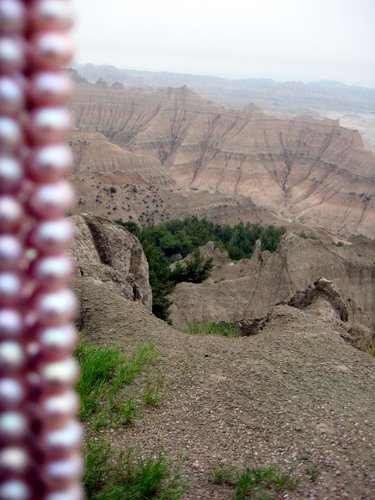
pixel 108 254
pixel 249 289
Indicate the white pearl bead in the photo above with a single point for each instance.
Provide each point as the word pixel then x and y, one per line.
pixel 10 135
pixel 15 490
pixel 55 308
pixel 11 251
pixel 52 236
pixel 50 125
pixel 61 473
pixel 50 88
pixel 57 410
pixel 13 460
pixel 12 393
pixel 52 200
pixel 49 163
pixel 73 493
pixel 12 55
pixel 52 272
pixel 62 440
pixel 10 288
pixel 10 174
pixel 11 96
pixel 57 342
pixel 11 323
pixel 51 51
pixel 12 16
pixel 12 356
pixel 13 426
pixel 52 15
pixel 11 213
pixel 60 373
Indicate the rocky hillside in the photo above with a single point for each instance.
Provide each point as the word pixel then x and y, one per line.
pixel 301 170
pixel 248 289
pixel 296 395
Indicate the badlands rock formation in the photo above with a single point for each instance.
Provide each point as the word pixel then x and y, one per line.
pixel 110 257
pixel 250 288
pixel 300 170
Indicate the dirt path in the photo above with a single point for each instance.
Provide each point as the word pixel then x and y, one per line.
pixel 296 394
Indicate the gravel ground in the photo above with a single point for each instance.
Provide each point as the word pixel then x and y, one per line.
pixel 295 395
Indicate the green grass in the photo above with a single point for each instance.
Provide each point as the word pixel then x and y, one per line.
pixel 258 482
pixel 105 372
pixel 224 329
pixel 151 395
pixel 310 236
pixel 111 474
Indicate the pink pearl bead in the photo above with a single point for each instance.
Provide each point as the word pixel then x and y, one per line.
pixel 55 308
pixel 51 51
pixel 12 55
pixel 60 474
pixel 52 237
pixel 11 252
pixel 13 427
pixel 58 442
pixel 12 393
pixel 56 410
pixel 10 135
pixel 49 125
pixel 73 493
pixel 11 96
pixel 13 460
pixel 14 489
pixel 12 357
pixel 10 174
pixel 11 323
pixel 58 375
pixel 11 214
pixel 12 16
pixel 50 201
pixel 10 288
pixel 49 163
pixel 51 15
pixel 57 342
pixel 50 88
pixel 52 272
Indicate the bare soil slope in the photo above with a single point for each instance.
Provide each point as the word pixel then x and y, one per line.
pixel 296 394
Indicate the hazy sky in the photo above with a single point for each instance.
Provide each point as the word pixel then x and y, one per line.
pixel 281 39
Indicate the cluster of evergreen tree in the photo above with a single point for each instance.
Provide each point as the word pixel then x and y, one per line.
pixel 184 236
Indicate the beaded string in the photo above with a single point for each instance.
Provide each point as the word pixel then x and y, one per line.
pixel 39 435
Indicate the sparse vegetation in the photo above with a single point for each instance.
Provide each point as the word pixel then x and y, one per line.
pixel 104 373
pixel 224 329
pixel 163 241
pixel 257 482
pixel 310 236
pixel 112 474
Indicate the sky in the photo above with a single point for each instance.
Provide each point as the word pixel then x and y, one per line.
pixel 299 40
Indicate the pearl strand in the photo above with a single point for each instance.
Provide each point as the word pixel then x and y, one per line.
pixel 40 441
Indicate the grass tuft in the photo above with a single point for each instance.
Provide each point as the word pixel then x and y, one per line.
pixel 104 373
pixel 258 482
pixel 115 475
pixel 224 329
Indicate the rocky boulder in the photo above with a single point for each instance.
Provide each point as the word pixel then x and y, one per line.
pixel 108 254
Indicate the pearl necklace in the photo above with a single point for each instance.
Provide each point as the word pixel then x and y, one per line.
pixel 39 436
